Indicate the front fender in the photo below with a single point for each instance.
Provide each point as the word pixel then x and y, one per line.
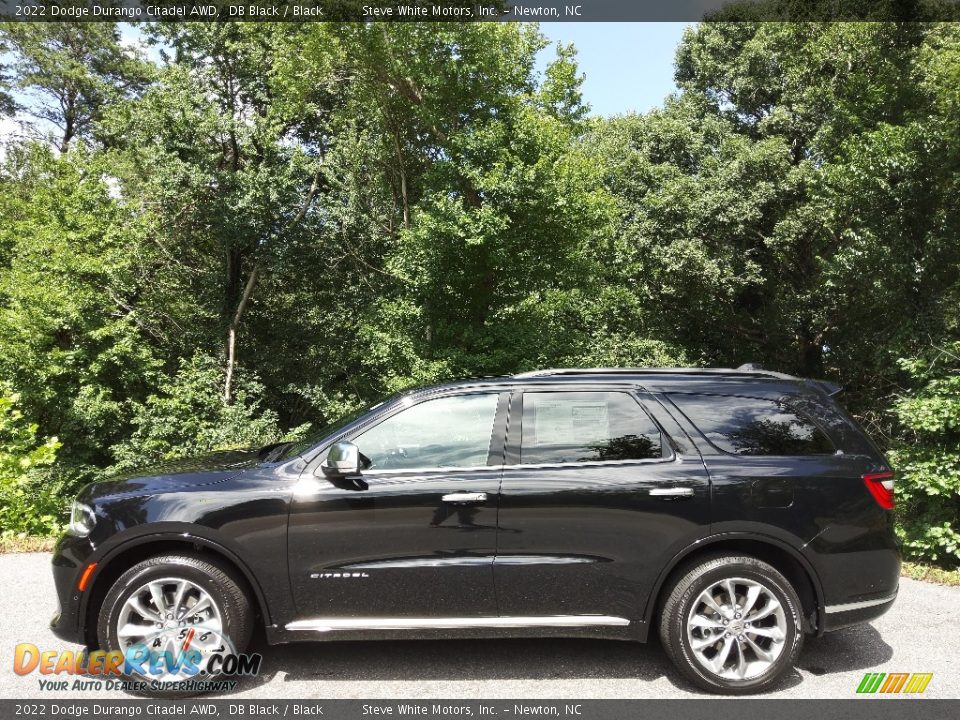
pixel 167 537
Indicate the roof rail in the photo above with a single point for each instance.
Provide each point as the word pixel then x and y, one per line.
pixel 742 370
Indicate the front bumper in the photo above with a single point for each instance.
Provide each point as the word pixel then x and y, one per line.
pixel 70 557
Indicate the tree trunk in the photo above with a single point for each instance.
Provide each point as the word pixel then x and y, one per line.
pixel 233 274
pixel 403 180
pixel 232 333
pixel 69 125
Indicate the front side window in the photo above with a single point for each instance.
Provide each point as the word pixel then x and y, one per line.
pixel 567 427
pixel 751 426
pixel 447 432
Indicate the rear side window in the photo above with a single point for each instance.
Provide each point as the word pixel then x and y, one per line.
pixel 565 427
pixel 751 426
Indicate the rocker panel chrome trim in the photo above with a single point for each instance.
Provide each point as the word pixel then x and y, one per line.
pixel 467 561
pixel 412 623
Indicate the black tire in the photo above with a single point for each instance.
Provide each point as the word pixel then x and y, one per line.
pixel 224 589
pixel 682 601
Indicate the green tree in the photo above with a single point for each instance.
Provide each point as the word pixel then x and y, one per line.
pixel 28 503
pixel 226 165
pixel 498 208
pixel 794 197
pixel 75 342
pixel 8 105
pixel 928 458
pixel 187 417
pixel 71 72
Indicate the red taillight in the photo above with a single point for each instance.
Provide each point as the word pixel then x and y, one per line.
pixel 880 486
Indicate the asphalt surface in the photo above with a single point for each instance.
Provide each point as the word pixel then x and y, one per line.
pixel 920 634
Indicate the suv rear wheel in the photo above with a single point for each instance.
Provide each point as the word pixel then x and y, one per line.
pixel 172 604
pixel 731 624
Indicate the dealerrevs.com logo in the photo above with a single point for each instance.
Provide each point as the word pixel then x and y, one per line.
pixel 892 683
pixel 199 661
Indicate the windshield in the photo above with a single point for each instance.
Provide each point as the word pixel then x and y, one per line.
pixel 329 428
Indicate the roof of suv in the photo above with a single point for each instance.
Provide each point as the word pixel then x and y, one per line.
pixel 745 379
pixel 742 371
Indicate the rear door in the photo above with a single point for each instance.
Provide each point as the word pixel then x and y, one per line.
pixel 600 489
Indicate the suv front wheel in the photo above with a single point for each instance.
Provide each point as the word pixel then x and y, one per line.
pixel 732 624
pixel 165 606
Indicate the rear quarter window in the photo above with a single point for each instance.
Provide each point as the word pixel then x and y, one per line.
pixel 753 426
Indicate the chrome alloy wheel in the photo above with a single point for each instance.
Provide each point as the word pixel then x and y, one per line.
pixel 736 628
pixel 170 616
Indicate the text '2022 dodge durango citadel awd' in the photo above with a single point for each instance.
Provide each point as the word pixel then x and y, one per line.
pixel 730 511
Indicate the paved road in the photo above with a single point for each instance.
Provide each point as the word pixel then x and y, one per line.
pixel 920 634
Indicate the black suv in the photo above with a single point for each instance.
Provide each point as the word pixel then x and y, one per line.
pixel 730 511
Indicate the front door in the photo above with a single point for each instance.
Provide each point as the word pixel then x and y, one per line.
pixel 596 497
pixel 419 541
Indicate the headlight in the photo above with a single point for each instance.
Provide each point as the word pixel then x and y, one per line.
pixel 82 519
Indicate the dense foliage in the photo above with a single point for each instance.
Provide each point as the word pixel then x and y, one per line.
pixel 271 225
pixel 928 493
pixel 28 500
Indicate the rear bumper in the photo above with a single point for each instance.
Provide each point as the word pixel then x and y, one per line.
pixel 836 617
pixel 859 573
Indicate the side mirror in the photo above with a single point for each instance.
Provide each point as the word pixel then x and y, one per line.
pixel 344 463
pixel 343 459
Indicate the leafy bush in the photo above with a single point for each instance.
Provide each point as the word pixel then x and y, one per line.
pixel 928 464
pixel 29 502
pixel 189 417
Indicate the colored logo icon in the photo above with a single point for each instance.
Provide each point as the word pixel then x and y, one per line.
pixel 907 683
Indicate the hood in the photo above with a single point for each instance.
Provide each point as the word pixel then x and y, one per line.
pixel 175 474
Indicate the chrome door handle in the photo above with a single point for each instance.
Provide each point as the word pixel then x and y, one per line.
pixel 672 492
pixel 465 498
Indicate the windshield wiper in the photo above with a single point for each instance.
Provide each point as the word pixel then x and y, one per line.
pixel 269 453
